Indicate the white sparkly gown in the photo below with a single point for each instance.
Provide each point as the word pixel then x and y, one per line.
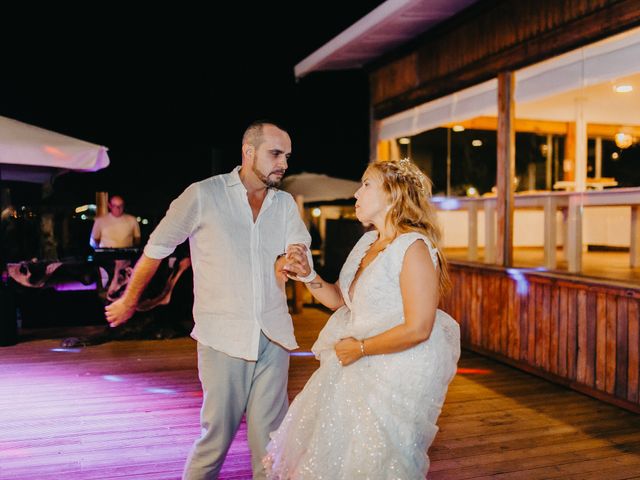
pixel 375 418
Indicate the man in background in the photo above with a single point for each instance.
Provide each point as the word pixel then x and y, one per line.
pixel 116 229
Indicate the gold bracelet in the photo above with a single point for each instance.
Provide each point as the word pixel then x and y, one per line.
pixel 362 348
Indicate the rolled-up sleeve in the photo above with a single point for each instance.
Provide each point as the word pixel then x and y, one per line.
pixel 178 224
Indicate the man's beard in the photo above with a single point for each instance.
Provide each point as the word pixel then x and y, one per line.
pixel 270 183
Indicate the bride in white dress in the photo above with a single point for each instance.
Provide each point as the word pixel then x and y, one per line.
pixel 387 354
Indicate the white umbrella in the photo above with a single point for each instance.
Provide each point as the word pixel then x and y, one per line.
pixel 317 187
pixel 33 154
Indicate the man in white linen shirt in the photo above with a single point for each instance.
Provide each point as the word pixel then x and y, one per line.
pixel 237 225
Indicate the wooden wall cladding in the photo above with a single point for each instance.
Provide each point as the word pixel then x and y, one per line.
pixel 492 36
pixel 580 333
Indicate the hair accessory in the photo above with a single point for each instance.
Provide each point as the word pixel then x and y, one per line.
pixel 413 173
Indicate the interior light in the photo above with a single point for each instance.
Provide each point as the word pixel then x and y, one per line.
pixel 316 212
pixel 404 141
pixel 84 208
pixel 458 128
pixel 623 88
pixel 623 140
pixel 476 143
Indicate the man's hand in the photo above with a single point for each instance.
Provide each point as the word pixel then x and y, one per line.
pixel 281 273
pixel 119 312
pixel 297 264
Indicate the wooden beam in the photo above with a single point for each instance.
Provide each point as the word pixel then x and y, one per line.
pixel 506 167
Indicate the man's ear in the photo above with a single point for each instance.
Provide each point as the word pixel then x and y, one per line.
pixel 248 150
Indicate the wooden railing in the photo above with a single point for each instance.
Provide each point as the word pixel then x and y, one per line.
pixel 570 203
pixel 575 331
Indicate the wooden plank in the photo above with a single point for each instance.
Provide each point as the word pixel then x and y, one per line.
pixel 622 349
pixel 554 330
pixel 634 351
pixel 504 314
pixel 540 321
pixel 600 340
pixel 531 340
pixel 467 327
pixel 488 311
pixel 478 322
pixel 513 326
pixel 546 326
pixel 524 322
pixel 572 334
pixel 591 339
pixel 480 294
pixel 583 357
pixel 496 304
pixel 562 331
pixel 611 345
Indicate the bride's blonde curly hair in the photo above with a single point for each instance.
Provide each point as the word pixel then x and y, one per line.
pixel 409 193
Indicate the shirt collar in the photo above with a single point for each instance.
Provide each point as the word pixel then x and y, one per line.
pixel 234 177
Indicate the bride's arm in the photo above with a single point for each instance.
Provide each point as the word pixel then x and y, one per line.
pixel 328 294
pixel 419 288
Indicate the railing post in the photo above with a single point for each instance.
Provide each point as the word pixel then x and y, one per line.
pixel 489 231
pixel 472 225
pixel 574 234
pixel 550 236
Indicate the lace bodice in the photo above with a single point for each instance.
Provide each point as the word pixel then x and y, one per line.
pixel 376 296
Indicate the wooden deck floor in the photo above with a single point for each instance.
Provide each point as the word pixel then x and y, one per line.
pixel 129 410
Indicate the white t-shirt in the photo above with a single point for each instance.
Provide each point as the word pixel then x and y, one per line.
pixel 115 232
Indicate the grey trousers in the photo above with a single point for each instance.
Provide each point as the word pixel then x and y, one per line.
pixel 230 387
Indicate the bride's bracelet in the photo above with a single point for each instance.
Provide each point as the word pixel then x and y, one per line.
pixel 312 273
pixel 362 348
pixel 308 278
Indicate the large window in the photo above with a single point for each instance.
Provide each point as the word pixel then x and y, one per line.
pixel 577 129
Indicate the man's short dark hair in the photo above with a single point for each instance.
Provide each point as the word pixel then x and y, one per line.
pixel 253 133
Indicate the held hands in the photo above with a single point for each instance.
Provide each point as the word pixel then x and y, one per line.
pixel 348 351
pixel 299 265
pixel 281 274
pixel 119 312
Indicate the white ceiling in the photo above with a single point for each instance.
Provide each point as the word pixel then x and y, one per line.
pixel 390 25
pixel 601 104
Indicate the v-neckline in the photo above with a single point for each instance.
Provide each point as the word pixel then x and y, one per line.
pixel 351 290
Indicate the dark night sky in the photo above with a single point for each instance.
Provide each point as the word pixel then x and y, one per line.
pixel 172 88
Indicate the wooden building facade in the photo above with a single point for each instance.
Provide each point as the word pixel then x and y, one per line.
pixel 577 331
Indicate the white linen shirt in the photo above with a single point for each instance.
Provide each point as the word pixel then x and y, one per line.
pixel 235 290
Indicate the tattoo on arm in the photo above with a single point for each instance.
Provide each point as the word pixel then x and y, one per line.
pixel 315 285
